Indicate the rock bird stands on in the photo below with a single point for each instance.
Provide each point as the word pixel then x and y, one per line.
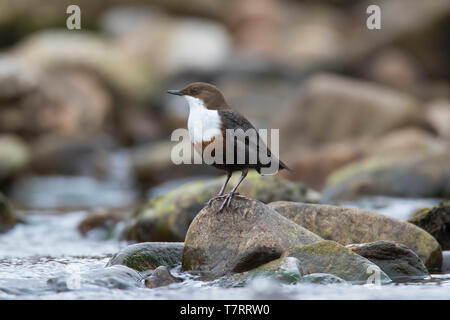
pixel 209 111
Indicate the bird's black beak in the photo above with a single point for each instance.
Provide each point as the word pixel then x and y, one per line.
pixel 175 92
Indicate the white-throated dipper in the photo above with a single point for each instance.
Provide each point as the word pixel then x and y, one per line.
pixel 209 111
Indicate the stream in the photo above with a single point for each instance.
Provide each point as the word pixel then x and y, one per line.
pixel 47 258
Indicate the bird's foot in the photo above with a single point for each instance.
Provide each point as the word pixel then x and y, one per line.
pixel 228 197
pixel 210 201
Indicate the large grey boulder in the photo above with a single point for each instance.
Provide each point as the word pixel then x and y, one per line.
pixel 350 225
pixel 241 238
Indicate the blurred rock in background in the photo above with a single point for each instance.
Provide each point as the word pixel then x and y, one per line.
pixel 359 111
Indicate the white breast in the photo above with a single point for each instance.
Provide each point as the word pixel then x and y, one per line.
pixel 203 124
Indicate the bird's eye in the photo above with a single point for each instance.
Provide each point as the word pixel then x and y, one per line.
pixel 195 90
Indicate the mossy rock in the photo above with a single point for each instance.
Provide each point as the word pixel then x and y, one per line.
pixel 436 221
pixel 398 261
pixel 332 258
pixel 322 278
pixel 149 255
pixel 285 270
pixel 320 262
pixel 167 218
pixel 160 277
pixel 240 238
pixel 350 225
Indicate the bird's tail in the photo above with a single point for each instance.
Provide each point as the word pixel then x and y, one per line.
pixel 283 166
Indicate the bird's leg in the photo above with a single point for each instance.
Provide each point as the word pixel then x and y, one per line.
pixel 220 195
pixel 229 195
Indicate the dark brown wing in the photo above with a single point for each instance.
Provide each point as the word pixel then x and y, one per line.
pixel 234 120
pixel 256 147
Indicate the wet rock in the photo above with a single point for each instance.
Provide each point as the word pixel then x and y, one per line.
pixel 148 255
pixel 114 277
pixel 240 238
pixel 436 221
pixel 160 277
pixel 332 258
pixel 398 261
pixel 412 174
pixel 117 276
pixel 7 214
pixel 349 226
pixel 347 108
pixel 285 270
pixel 14 156
pixel 104 219
pixel 168 217
pixel 322 278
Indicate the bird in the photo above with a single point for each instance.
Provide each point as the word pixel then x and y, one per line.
pixel 209 110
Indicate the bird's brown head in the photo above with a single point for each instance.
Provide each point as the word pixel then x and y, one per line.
pixel 208 94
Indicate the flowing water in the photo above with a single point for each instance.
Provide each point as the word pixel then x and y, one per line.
pixel 47 258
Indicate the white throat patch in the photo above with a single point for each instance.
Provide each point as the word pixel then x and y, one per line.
pixel 203 124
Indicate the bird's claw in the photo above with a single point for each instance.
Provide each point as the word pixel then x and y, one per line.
pixel 210 201
pixel 227 202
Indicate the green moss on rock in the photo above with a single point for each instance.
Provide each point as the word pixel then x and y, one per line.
pixel 350 226
pixel 167 218
pixel 436 221
pixel 145 256
pixel 332 258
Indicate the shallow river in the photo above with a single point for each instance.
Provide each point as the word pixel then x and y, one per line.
pixel 48 259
